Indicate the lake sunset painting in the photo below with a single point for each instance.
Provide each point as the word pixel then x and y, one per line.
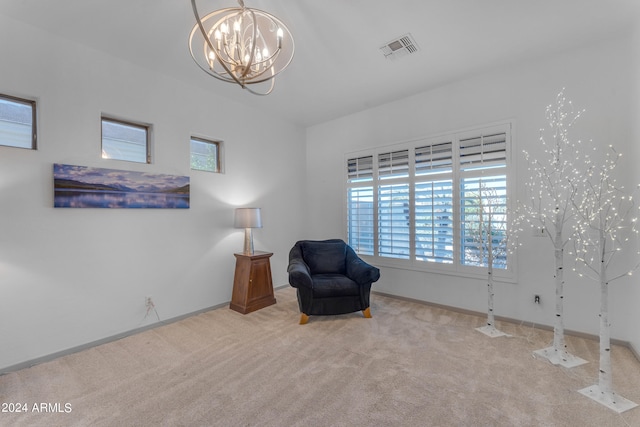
pixel 86 187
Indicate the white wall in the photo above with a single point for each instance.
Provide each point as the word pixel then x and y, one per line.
pixel 596 78
pixel 634 89
pixel 73 276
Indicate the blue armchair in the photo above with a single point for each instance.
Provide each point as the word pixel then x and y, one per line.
pixel 330 278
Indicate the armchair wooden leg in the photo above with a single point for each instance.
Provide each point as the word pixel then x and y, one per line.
pixel 303 319
pixel 367 312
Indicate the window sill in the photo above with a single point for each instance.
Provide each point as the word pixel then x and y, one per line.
pixel 499 275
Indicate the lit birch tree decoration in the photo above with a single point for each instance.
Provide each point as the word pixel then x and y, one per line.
pixel 485 223
pixel 606 221
pixel 552 187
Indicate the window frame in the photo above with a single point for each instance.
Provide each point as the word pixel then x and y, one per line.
pixel 219 152
pixel 456 268
pixel 148 128
pixel 34 123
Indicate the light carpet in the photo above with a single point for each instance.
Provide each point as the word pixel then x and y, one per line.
pixel 410 365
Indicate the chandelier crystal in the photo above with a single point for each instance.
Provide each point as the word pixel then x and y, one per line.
pixel 241 45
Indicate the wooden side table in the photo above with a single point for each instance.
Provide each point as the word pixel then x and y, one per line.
pixel 252 284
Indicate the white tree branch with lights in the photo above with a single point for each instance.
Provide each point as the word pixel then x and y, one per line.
pixel 553 185
pixel 606 221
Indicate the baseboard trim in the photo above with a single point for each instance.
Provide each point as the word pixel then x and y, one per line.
pixel 544 327
pixel 634 351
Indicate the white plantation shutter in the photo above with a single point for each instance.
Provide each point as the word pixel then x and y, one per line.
pixel 393 205
pixel 434 214
pixel 434 209
pixel 360 169
pixel 483 195
pixel 360 211
pixel 434 158
pixel 483 202
pixel 483 151
pixel 393 221
pixel 393 164
pixel 360 205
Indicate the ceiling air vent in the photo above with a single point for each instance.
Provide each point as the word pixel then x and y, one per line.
pixel 399 47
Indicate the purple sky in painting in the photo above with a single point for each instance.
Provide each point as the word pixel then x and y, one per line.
pixel 139 181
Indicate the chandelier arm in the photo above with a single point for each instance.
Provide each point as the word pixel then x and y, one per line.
pixel 206 37
pixel 253 42
pixel 230 57
pixel 274 56
pixel 262 72
pixel 272 81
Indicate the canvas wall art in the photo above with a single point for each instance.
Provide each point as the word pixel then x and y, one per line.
pixel 87 187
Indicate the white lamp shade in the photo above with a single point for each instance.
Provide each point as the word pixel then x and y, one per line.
pixel 247 218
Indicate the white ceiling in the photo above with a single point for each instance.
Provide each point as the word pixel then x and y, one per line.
pixel 338 67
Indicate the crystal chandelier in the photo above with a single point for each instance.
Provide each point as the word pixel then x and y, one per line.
pixel 241 45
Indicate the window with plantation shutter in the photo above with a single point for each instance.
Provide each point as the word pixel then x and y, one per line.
pixel 361 219
pixel 434 210
pixel 483 217
pixel 434 216
pixel 393 221
pixel 434 203
pixel 393 205
pixel 360 205
pixel 483 194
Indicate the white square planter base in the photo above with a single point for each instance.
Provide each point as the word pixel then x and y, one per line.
pixel 565 359
pixel 492 331
pixel 609 399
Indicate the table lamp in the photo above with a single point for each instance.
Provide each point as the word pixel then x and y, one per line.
pixel 248 218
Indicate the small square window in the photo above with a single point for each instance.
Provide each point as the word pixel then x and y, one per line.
pixel 17 122
pixel 205 155
pixel 125 141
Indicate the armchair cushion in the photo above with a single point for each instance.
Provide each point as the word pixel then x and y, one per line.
pixel 325 257
pixel 334 285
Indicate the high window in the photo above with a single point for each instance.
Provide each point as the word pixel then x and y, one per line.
pixel 17 122
pixel 437 203
pixel 205 155
pixel 122 140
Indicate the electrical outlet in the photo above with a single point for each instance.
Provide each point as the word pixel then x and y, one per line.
pixel 536 299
